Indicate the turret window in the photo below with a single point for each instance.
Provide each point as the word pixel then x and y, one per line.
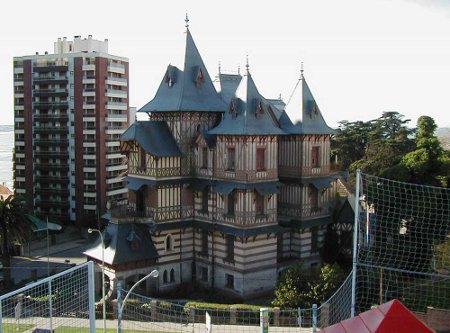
pixel 143 159
pixel 231 156
pixel 315 161
pixel 204 157
pixel 259 204
pixel 230 204
pixel 260 159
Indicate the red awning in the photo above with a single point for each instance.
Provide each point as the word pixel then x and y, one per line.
pixel 389 317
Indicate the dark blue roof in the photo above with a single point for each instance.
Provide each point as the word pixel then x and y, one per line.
pixel 119 247
pixel 320 182
pixel 187 90
pixel 249 113
pixel 154 136
pixel 303 106
pixel 228 85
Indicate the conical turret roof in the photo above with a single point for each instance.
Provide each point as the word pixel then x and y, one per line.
pixel 187 90
pixel 304 112
pixel 248 113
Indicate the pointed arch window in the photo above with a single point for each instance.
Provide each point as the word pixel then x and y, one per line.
pixel 172 275
pixel 165 279
pixel 232 108
pixel 260 108
pixel 169 243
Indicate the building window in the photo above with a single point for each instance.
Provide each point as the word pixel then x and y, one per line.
pixel 259 204
pixel 260 159
pixel 165 279
pixel 204 157
pixel 204 243
pixel 229 247
pixel 314 198
pixel 204 274
pixel 279 247
pixel 314 240
pixel 315 157
pixel 172 275
pixel 231 155
pixel 230 281
pixel 205 196
pixel 143 159
pixel 230 204
pixel 169 243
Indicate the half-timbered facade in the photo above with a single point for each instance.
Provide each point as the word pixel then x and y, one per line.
pixel 230 189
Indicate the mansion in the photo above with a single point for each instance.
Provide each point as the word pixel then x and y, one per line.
pixel 224 189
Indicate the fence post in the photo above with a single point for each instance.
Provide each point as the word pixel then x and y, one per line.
pixel 355 243
pixel 264 320
pixel 119 307
pixel 50 305
pixel 314 309
pixel 276 316
pixel 1 316
pixel 233 315
pixel 299 317
pixel 154 309
pixel 192 313
pixel 91 290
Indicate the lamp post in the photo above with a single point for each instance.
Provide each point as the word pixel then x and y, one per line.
pixel 91 230
pixel 154 273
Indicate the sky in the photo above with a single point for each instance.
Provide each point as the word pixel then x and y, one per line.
pixel 361 57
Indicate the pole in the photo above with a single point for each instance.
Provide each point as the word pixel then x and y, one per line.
pixel 48 252
pixel 119 308
pixel 355 241
pixel 90 230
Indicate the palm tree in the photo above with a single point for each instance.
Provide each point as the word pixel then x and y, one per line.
pixel 15 227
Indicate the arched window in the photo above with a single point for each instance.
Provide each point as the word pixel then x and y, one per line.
pixel 169 243
pixel 172 275
pixel 165 280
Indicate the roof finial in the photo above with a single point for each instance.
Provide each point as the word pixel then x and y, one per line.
pixel 247 66
pixel 187 21
pixel 239 69
pixel 219 67
pixel 301 70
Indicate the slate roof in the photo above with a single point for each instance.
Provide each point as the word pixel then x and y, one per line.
pixel 228 83
pixel 248 113
pixel 119 248
pixel 154 136
pixel 187 90
pixel 304 113
pixel 135 183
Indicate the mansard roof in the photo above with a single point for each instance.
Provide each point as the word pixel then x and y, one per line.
pixel 248 113
pixel 187 90
pixel 304 113
pixel 154 136
pixel 124 242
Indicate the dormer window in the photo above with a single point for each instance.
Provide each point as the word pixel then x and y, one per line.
pixel 169 78
pixel 200 78
pixel 232 109
pixel 260 108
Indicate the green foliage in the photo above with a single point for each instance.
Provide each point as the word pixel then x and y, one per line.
pixel 300 287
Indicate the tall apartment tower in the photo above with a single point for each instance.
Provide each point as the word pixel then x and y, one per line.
pixel 70 109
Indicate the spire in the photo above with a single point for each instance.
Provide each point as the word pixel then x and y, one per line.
pixel 219 67
pixel 247 66
pixel 301 71
pixel 187 21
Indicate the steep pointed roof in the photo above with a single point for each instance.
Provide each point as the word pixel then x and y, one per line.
pixel 248 113
pixel 187 90
pixel 228 85
pixel 304 112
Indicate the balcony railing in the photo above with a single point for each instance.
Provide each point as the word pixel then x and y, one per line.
pixel 247 175
pixel 247 219
pixel 304 211
pixel 154 172
pixel 125 210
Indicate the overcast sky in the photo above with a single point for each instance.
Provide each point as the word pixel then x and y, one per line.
pixel 360 57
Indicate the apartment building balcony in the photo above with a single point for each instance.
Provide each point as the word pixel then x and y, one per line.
pixel 51 79
pixel 51 142
pixel 51 178
pixel 53 130
pixel 246 219
pixel 118 81
pixel 51 203
pixel 47 105
pixel 52 191
pixel 50 68
pixel 49 153
pixel 116 106
pixel 51 117
pixel 62 167
pixel 116 93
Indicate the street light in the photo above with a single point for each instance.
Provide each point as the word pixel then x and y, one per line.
pixel 91 230
pixel 154 273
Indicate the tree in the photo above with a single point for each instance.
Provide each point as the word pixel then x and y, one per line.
pixel 300 287
pixel 15 227
pixel 429 163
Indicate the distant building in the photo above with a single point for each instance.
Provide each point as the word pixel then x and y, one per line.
pixel 230 190
pixel 70 109
pixel 5 192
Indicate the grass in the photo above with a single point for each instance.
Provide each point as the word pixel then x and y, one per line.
pixel 13 328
